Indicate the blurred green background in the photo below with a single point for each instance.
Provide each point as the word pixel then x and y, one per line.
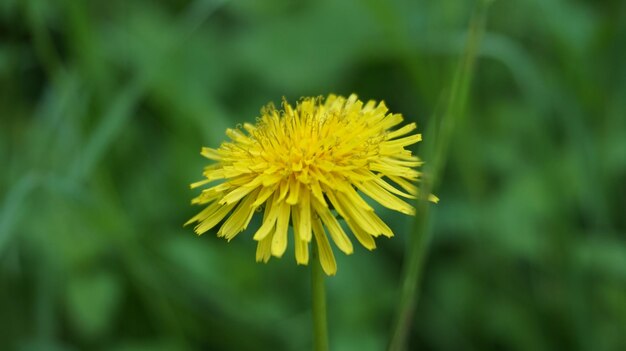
pixel 104 106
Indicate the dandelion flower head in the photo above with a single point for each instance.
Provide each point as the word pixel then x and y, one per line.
pixel 310 166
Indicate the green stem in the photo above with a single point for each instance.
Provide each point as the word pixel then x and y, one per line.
pixel 436 154
pixel 318 294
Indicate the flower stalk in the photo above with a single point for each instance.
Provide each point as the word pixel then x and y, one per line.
pixel 318 296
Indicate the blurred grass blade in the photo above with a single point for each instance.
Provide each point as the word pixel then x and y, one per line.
pixel 12 207
pixel 111 123
pixel 126 102
pixel 436 155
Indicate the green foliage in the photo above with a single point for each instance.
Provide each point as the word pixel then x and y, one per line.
pixel 104 106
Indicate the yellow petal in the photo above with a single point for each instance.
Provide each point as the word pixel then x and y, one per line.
pixel 317 193
pixel 391 121
pixel 264 249
pixel 402 131
pixel 200 183
pixel 211 154
pixel 364 238
pixel 284 187
pixel 325 252
pixel 214 219
pixel 302 249
pixel 206 212
pixel 269 220
pixel 366 220
pixel 382 196
pixel 404 184
pixel 241 191
pixel 279 242
pixel 294 191
pixel 390 188
pixel 336 232
pixel 402 142
pixel 264 194
pixel 304 209
pixel 239 219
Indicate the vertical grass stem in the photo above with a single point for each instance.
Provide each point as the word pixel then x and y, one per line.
pixel 436 154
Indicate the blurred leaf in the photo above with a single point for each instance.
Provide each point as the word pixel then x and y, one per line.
pixel 602 255
pixel 153 345
pixel 92 303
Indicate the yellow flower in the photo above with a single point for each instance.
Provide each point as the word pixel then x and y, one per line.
pixel 303 164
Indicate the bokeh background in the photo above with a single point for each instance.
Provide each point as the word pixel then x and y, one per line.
pixel 104 106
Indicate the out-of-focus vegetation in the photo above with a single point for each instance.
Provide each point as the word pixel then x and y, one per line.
pixel 104 106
